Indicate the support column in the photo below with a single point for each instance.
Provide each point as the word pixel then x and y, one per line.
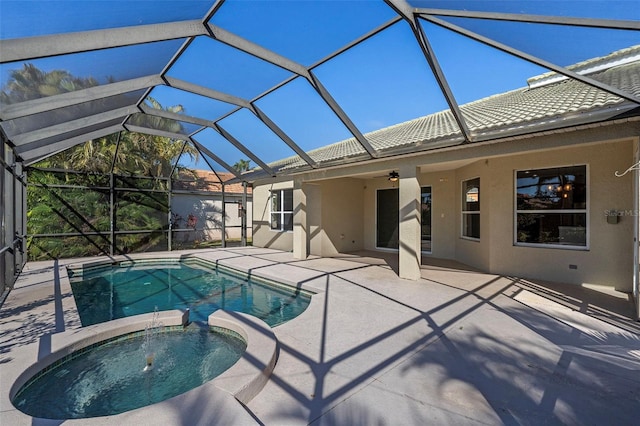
pixel 243 218
pixel 300 226
pixel 409 256
pixel 112 216
pixel 223 236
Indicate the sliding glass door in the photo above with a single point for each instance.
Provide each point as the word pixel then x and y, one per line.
pixel 387 218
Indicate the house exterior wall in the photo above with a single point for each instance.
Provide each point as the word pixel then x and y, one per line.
pixel 342 229
pixel 263 235
pixel 347 221
pixel 208 212
pixel 333 217
pixel 609 259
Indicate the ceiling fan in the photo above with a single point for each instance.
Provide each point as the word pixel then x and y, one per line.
pixel 392 176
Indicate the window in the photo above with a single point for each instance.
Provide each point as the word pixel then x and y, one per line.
pixel 282 210
pixel 425 223
pixel 471 208
pixel 551 206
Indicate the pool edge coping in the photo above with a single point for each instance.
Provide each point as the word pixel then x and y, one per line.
pixel 242 381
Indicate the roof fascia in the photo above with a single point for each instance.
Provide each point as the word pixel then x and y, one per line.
pixel 534 59
pixel 34 155
pixel 24 49
pixel 58 129
pixel 35 106
pixel 536 19
pixel 578 118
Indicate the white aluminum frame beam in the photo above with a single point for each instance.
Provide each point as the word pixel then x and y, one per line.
pixel 298 69
pixel 235 142
pixel 535 19
pixel 34 155
pixel 534 59
pixel 68 126
pixel 408 13
pixel 205 91
pixel 29 48
pixel 210 124
pixel 214 157
pixel 35 106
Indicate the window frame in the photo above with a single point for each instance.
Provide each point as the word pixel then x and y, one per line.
pixel 584 211
pixel 422 191
pixel 464 213
pixel 282 212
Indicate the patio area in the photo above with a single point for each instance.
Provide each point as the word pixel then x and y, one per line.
pixel 458 346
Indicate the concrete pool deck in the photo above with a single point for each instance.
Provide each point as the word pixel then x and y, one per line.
pixel 457 347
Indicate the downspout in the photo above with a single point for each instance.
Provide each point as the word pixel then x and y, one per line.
pixel 636 236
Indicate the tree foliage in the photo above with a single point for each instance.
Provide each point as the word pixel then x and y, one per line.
pixel 54 208
pixel 29 82
pixel 242 165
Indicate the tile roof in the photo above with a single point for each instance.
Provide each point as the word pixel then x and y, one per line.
pixel 208 181
pixel 549 101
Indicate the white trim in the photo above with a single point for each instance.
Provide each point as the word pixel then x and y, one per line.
pixel 584 211
pixel 280 212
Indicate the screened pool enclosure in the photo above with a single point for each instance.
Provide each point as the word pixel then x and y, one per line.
pixel 119 117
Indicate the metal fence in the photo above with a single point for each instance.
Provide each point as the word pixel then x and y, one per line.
pixel 75 214
pixel 12 219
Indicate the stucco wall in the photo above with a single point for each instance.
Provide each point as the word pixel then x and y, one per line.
pixel 342 228
pixel 333 214
pixel 443 217
pixel 263 235
pixel 347 218
pixel 208 212
pixel 608 260
pixel 473 252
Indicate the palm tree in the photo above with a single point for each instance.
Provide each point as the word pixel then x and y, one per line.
pixel 242 165
pixel 87 210
pixel 29 82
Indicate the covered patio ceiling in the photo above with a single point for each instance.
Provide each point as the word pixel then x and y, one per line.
pixel 271 80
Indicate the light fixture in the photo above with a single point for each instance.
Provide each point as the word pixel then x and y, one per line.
pixel 393 176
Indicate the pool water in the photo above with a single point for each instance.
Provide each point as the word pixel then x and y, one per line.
pixel 122 290
pixel 110 378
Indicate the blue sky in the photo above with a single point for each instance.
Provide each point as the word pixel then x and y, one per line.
pixel 381 82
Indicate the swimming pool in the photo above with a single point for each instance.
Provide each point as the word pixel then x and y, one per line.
pixel 110 377
pixel 106 292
